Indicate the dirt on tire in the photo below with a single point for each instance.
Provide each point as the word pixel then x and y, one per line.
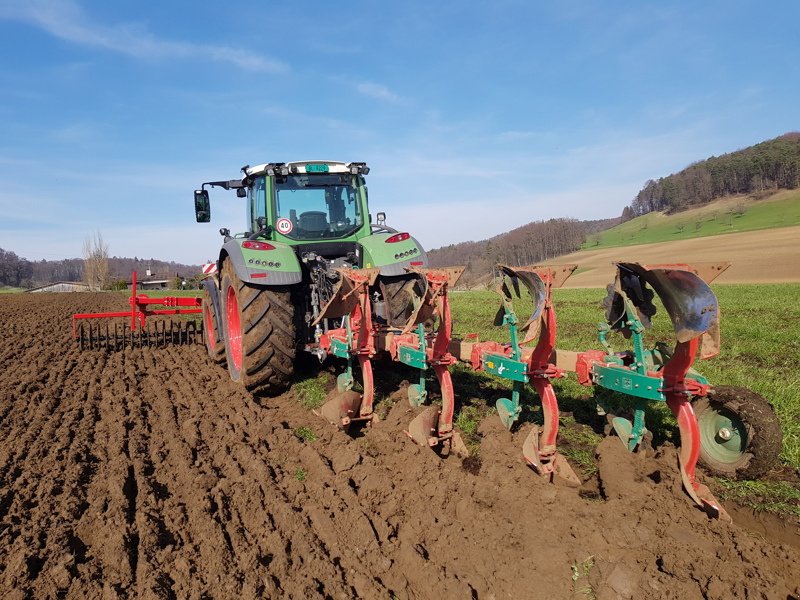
pixel 147 473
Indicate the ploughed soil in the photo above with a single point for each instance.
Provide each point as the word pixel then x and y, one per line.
pixel 147 473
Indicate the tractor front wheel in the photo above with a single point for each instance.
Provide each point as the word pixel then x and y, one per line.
pixel 260 333
pixel 740 436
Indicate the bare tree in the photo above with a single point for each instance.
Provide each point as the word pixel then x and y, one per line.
pixel 95 262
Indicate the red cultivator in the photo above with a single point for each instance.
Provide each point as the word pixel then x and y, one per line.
pixel 137 333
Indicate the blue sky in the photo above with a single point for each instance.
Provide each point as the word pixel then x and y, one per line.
pixel 475 117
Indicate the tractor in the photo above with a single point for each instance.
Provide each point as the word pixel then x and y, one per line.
pixel 308 222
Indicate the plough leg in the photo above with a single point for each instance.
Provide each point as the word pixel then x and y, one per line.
pixel 434 426
pixel 678 402
pixel 539 448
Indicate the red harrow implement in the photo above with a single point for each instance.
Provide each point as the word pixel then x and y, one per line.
pixel 137 334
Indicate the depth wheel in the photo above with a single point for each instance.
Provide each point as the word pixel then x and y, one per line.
pixel 212 332
pixel 740 436
pixel 260 333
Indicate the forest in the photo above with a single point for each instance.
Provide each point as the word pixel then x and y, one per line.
pixel 532 243
pixel 757 170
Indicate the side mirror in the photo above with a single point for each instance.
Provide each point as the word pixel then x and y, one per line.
pixel 381 218
pixel 202 206
pixel 241 193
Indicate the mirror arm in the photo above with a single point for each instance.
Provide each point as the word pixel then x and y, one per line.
pixel 232 184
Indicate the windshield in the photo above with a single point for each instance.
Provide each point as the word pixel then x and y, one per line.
pixel 312 207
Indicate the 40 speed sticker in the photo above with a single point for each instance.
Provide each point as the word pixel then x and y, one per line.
pixel 284 226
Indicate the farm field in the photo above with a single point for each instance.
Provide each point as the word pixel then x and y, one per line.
pixel 149 474
pixel 765 256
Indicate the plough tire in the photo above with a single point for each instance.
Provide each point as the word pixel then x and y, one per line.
pixel 212 332
pixel 260 333
pixel 748 421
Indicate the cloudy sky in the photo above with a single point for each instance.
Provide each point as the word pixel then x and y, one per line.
pixel 475 117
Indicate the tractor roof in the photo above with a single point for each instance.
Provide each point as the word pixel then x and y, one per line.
pixel 307 166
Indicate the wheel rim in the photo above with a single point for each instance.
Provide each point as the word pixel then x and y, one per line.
pixel 723 435
pixel 234 328
pixel 211 334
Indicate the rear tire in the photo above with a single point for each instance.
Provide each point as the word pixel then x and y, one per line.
pixel 260 333
pixel 212 332
pixel 740 436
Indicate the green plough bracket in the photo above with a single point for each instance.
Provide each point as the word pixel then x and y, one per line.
pixel 631 383
pixel 340 348
pixel 505 367
pixel 413 357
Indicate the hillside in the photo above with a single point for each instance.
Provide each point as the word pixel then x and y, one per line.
pixel 759 169
pixel 734 214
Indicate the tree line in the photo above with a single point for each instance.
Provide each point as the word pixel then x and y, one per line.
pixel 16 271
pixel 759 169
pixel 533 243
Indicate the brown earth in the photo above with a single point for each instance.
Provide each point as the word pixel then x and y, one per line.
pixel 148 474
pixel 764 256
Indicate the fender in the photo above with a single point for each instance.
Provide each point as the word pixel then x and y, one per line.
pixel 392 258
pixel 275 266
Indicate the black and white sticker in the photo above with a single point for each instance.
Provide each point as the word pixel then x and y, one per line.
pixel 284 226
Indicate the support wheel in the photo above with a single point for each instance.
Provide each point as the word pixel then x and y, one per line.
pixel 740 436
pixel 260 330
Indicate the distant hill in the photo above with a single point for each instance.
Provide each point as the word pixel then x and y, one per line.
pixel 532 243
pixel 760 169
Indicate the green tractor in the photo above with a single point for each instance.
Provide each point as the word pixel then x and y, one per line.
pixel 307 220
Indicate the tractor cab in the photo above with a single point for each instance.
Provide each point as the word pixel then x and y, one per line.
pixel 314 207
pixel 296 202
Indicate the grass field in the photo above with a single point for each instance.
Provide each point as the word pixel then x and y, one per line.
pixel 760 346
pixel 730 215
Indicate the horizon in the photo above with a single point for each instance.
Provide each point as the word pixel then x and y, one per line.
pixel 474 120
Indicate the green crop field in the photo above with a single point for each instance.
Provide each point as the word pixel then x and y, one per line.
pixel 760 347
pixel 725 216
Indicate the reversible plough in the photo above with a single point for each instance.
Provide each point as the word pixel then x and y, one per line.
pixel 661 374
pixel 137 333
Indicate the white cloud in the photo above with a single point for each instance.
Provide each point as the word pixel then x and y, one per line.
pixel 378 91
pixel 64 19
